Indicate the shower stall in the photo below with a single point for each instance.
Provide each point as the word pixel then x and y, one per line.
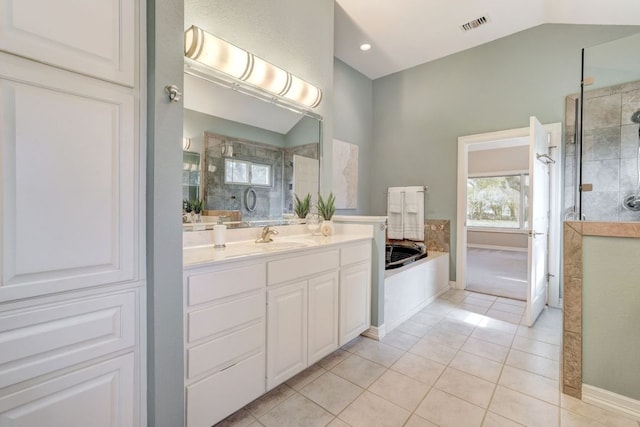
pixel 602 135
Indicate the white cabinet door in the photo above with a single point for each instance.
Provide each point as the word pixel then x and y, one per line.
pixel 286 332
pixel 355 307
pixel 323 316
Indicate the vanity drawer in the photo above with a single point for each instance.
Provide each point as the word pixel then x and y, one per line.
pixel 217 396
pixel 285 270
pixel 354 254
pixel 221 352
pixel 210 286
pixel 217 318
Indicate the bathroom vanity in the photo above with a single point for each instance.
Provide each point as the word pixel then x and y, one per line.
pixel 256 314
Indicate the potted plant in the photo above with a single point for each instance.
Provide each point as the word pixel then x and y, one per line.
pixel 197 206
pixel 326 209
pixel 301 207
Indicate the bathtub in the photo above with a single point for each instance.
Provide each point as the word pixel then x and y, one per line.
pixel 411 287
pixel 397 256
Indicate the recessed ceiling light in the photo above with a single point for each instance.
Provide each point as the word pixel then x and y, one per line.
pixel 365 47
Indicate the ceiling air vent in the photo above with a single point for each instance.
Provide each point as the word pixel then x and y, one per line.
pixel 475 23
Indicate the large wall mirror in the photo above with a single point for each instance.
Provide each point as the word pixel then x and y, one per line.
pixel 244 157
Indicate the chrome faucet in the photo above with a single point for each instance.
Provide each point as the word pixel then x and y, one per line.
pixel 267 232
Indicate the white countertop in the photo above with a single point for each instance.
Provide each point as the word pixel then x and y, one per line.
pixel 199 256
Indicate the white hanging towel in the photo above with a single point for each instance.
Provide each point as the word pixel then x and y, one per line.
pixel 414 213
pixel 395 213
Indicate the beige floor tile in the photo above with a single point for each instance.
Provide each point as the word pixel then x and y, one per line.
pixel 510 301
pixel 446 338
pixel 413 328
pixel 532 363
pixel 332 392
pixel 474 300
pixel 539 348
pixel 451 325
pixel 432 349
pixel 255 424
pixel 541 333
pixel 477 365
pixel 466 387
pixel 470 317
pixel 400 389
pixel 569 419
pixel 449 411
pixel 242 418
pixel 486 349
pixel 268 401
pixel 473 308
pixel 416 421
pixel 377 352
pixel 505 316
pixel 370 410
pixel 495 420
pixel 306 376
pixel 438 308
pixel 482 296
pixel 524 409
pixel 603 416
pixel 334 358
pixel 498 324
pixel 493 336
pixel 351 344
pixel 337 422
pixel 550 317
pixel 400 339
pixel 509 308
pixel 425 318
pixel 297 411
pixel 531 384
pixel 421 369
pixel 359 371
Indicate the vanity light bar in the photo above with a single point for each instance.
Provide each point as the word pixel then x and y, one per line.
pixel 220 55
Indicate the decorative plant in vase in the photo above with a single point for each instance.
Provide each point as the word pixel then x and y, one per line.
pixel 301 207
pixel 197 206
pixel 326 209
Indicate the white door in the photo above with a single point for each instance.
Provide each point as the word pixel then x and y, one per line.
pixel 538 221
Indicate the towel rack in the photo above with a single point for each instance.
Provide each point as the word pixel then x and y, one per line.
pixel 425 188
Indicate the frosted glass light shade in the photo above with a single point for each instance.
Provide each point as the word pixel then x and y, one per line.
pixel 222 56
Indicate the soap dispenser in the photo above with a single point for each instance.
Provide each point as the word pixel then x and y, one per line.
pixel 219 234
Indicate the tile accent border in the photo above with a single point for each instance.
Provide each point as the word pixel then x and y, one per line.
pixel 572 286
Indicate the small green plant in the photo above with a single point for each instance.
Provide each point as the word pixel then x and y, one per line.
pixel 301 207
pixel 328 208
pixel 187 207
pixel 197 206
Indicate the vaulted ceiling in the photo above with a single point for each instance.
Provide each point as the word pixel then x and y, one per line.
pixel 406 33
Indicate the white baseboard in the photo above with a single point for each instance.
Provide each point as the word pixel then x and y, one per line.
pixel 375 332
pixel 611 401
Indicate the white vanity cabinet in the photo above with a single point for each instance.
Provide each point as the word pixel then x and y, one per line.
pixel 355 291
pixel 302 313
pixel 224 339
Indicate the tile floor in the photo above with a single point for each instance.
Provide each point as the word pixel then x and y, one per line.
pixel 462 361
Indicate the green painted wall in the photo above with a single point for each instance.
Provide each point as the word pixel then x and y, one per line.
pixel 418 114
pixel 353 120
pixel 611 314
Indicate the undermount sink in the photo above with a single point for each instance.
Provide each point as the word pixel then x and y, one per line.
pixel 278 245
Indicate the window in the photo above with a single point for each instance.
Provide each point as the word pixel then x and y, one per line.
pixel 498 201
pixel 246 173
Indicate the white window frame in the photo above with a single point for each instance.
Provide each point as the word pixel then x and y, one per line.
pixel 250 165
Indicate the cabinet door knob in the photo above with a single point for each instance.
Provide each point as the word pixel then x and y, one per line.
pixel 174 93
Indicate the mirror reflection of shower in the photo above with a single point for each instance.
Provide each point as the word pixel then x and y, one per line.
pixel 632 201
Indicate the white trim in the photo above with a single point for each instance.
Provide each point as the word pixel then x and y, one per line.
pixel 375 332
pixel 495 247
pixel 453 284
pixel 497 174
pixel 608 400
pixel 497 139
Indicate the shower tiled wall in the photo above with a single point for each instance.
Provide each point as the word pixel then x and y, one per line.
pixel 610 152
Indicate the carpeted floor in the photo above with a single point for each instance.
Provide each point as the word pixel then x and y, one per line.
pixel 497 272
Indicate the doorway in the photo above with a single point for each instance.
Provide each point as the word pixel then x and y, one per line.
pixel 495 238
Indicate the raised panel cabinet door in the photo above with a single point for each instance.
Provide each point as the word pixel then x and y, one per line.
pixel 97 38
pixel 286 332
pixel 100 395
pixel 323 316
pixel 69 164
pixel 355 305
